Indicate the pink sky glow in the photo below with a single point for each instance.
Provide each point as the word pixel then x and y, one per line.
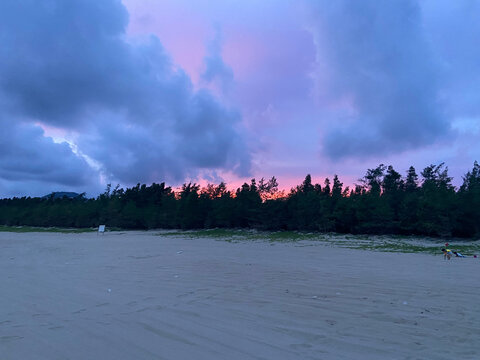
pixel 206 91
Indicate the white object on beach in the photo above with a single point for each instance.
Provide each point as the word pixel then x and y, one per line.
pixel 101 229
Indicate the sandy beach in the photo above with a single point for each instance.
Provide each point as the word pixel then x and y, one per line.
pixel 138 295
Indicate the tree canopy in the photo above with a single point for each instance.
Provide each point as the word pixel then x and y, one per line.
pixel 384 202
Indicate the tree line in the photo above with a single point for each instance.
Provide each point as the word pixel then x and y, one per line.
pixel 384 202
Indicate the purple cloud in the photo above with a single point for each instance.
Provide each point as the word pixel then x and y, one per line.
pixel 216 70
pixel 376 54
pixel 36 164
pixel 296 87
pixel 70 65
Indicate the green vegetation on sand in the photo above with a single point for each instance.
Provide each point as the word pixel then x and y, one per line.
pixel 24 229
pixel 401 244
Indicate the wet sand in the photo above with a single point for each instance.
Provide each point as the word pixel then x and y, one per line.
pixel 136 295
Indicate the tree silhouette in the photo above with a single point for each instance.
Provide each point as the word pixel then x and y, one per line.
pixel 383 203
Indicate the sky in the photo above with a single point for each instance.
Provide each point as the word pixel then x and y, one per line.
pixel 140 91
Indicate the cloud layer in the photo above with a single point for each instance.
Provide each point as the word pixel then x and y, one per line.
pixel 375 57
pixel 71 66
pixel 177 90
pixel 216 70
pixel 25 153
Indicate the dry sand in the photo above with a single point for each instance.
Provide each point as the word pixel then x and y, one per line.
pixel 140 296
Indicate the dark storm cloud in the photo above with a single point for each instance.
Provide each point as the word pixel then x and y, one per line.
pixel 61 56
pixel 374 55
pixel 27 155
pixel 200 138
pixel 69 65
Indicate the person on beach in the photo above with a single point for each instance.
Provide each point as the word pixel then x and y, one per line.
pixel 457 254
pixel 447 253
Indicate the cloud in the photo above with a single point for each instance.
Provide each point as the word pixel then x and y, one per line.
pixel 34 162
pixel 375 57
pixel 62 56
pixel 216 70
pixel 453 29
pixel 70 65
pixel 199 139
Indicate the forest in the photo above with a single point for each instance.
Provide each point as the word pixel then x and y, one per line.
pixel 383 202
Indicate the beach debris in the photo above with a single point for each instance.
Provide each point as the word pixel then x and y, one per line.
pixel 180 251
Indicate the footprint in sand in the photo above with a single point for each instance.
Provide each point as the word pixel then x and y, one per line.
pixel 40 314
pixel 10 338
pixel 55 327
pixel 300 346
pixel 102 304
